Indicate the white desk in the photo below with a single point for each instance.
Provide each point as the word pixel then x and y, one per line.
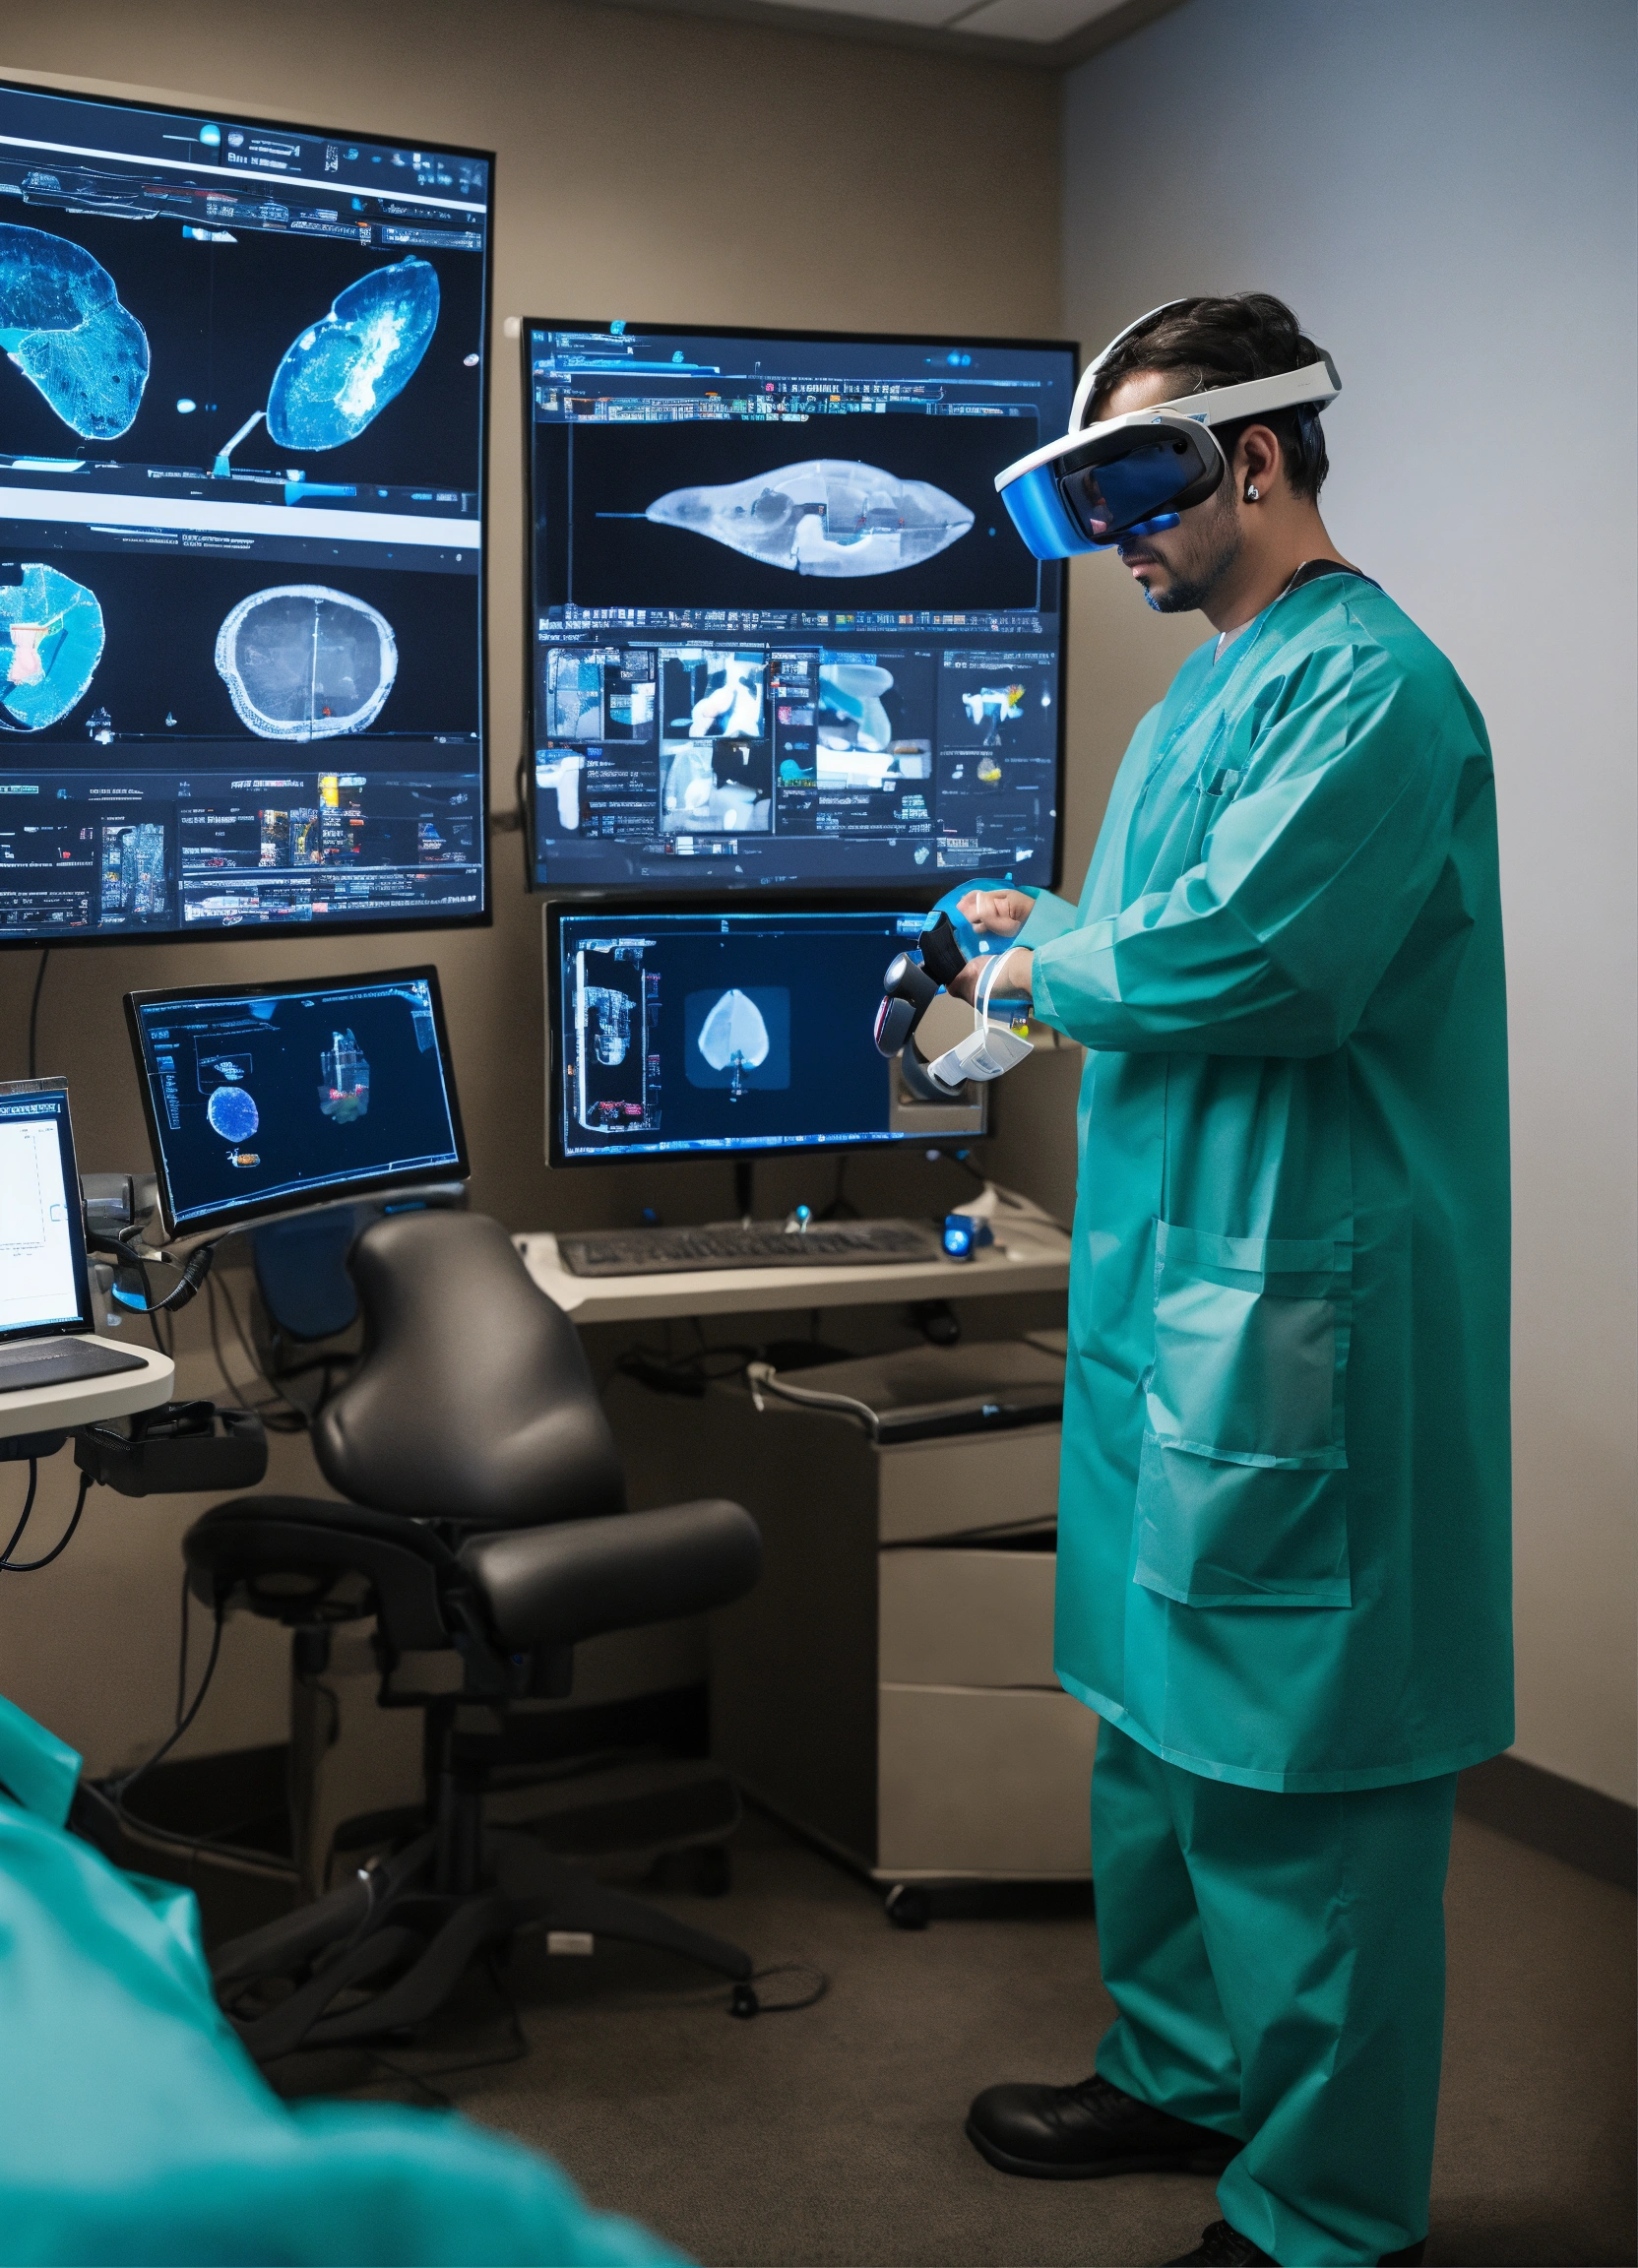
pixel 86 1401
pixel 1033 1257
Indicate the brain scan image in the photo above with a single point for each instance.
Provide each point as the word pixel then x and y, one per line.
pixel 345 369
pixel 62 325
pixel 233 1114
pixel 51 639
pixel 304 663
pixel 825 517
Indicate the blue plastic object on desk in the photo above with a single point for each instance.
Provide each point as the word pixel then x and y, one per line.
pixel 964 1234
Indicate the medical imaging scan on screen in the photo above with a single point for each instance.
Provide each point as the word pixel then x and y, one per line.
pixel 675 1032
pixel 242 427
pixel 274 1096
pixel 785 634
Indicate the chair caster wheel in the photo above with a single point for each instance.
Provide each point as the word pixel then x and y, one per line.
pixel 713 1871
pixel 908 1906
pixel 744 2002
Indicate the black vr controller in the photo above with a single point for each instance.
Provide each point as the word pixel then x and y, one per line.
pixel 912 985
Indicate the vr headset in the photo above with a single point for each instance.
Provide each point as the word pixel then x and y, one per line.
pixel 1133 475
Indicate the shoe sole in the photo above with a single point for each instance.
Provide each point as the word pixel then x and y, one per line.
pixel 1146 2161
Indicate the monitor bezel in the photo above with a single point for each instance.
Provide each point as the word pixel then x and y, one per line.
pixel 622 907
pixel 253 932
pixel 86 1321
pixel 223 1220
pixel 864 897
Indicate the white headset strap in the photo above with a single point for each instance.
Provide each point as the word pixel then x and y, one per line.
pixel 1085 391
pixel 1317 382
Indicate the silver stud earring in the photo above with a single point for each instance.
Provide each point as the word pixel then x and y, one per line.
pixel 1250 492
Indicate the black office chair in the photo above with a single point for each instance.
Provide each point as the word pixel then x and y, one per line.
pixel 487 1517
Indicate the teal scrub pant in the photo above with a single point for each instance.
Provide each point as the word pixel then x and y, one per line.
pixel 1279 1966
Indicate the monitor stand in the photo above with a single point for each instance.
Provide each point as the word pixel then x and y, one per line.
pixel 743 1168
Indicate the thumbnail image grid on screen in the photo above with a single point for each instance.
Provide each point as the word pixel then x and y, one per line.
pixel 241 524
pixel 783 632
pixel 677 1031
pixel 265 1098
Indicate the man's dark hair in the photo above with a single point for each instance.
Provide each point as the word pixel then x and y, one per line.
pixel 1204 342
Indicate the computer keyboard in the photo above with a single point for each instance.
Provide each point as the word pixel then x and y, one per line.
pixel 685 1251
pixel 37 1362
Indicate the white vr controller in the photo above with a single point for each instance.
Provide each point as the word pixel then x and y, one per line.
pixel 989 1048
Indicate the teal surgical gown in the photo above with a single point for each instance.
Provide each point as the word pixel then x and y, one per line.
pixel 1283 1523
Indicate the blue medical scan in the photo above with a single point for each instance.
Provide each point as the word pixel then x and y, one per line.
pixel 54 637
pixel 62 324
pixel 342 371
pixel 243 388
pixel 305 663
pixel 825 517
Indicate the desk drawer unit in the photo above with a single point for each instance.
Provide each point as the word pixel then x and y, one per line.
pixel 984 1760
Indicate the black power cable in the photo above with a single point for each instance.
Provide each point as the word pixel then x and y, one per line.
pixel 28 1508
pixel 34 1013
pixel 11 1566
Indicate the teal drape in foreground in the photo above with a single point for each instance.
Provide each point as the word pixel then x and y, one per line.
pixel 136 2128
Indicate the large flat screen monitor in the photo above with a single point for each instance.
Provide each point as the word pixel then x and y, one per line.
pixel 241 524
pixel 784 633
pixel 267 1098
pixel 683 1031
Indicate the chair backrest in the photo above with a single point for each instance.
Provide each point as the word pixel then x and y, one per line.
pixel 473 1401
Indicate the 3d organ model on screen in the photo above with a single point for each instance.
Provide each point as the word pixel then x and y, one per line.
pixel 304 663
pixel 342 372
pixel 825 517
pixel 62 325
pixel 343 1080
pixel 735 1038
pixel 52 628
pixel 993 706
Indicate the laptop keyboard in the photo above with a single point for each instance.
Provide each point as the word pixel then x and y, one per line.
pixel 38 1362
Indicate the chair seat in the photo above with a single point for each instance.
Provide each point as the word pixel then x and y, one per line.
pixel 288 1556
pixel 555 1586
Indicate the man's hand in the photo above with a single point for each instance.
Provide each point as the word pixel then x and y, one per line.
pixel 1017 975
pixel 996 913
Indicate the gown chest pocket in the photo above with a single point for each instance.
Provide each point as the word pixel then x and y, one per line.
pixel 1242 1481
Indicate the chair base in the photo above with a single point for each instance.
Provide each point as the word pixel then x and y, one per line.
pixel 383 1953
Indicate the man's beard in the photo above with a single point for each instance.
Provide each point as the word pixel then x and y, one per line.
pixel 1185 593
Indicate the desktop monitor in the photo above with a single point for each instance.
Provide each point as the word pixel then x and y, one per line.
pixel 784 633
pixel 242 418
pixel 263 1099
pixel 683 1030
pixel 44 1283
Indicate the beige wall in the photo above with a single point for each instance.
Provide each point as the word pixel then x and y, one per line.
pixel 1445 193
pixel 650 167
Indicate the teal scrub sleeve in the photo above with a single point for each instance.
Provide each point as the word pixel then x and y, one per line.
pixel 1312 877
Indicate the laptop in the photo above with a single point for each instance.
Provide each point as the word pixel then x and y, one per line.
pixel 45 1310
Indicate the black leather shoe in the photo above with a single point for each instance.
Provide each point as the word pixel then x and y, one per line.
pixel 1076 2133
pixel 1223 2247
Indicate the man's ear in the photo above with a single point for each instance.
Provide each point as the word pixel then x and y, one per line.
pixel 1258 462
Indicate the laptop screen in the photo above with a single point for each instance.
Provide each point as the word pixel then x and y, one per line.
pixel 43 1285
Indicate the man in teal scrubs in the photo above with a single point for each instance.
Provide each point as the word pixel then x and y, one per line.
pixel 1282 1541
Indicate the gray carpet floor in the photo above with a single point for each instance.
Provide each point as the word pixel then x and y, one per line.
pixel 832 2135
